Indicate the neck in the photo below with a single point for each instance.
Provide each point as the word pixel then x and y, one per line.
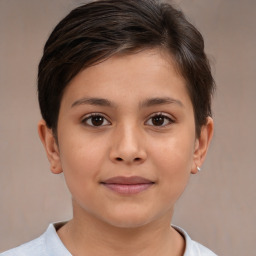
pixel 87 235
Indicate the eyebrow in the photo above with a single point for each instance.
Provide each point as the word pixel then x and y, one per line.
pixel 160 101
pixel 147 103
pixel 93 101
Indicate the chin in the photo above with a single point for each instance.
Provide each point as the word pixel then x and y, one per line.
pixel 129 224
pixel 128 220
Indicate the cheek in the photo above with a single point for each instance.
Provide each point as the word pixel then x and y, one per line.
pixel 173 159
pixel 81 161
pixel 174 153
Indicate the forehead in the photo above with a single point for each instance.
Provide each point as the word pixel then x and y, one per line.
pixel 144 74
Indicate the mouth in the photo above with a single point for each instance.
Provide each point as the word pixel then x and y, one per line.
pixel 128 185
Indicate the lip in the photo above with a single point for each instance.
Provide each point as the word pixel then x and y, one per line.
pixel 128 185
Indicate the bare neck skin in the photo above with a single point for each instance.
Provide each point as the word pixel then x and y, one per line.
pixel 90 236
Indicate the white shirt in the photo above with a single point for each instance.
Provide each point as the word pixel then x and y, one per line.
pixel 49 244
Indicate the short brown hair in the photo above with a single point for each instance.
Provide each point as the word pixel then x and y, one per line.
pixel 96 31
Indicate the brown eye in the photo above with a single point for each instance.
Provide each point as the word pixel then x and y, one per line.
pixel 159 120
pixel 96 120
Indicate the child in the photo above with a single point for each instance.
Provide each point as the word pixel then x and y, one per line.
pixel 125 90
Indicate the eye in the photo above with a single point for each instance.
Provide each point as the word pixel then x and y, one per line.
pixel 159 120
pixel 95 120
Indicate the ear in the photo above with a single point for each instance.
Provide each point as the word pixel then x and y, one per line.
pixel 51 147
pixel 202 144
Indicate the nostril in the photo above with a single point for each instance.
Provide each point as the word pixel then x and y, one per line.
pixel 134 160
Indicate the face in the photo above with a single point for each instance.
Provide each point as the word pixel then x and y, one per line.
pixel 126 139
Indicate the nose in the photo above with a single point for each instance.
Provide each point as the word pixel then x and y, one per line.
pixel 127 146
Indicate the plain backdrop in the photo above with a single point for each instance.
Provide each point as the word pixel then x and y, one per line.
pixel 218 208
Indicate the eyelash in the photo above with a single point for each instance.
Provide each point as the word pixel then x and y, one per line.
pixel 90 116
pixel 166 118
pixel 160 114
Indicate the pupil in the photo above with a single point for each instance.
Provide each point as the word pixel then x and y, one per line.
pixel 97 120
pixel 158 120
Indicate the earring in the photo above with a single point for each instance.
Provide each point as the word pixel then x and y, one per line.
pixel 198 168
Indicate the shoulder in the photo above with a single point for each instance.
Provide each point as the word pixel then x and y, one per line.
pixel 201 250
pixel 193 248
pixel 35 247
pixel 47 244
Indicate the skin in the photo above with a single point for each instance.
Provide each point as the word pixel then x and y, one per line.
pixel 128 142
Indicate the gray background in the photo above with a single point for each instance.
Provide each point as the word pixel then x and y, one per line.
pixel 218 208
